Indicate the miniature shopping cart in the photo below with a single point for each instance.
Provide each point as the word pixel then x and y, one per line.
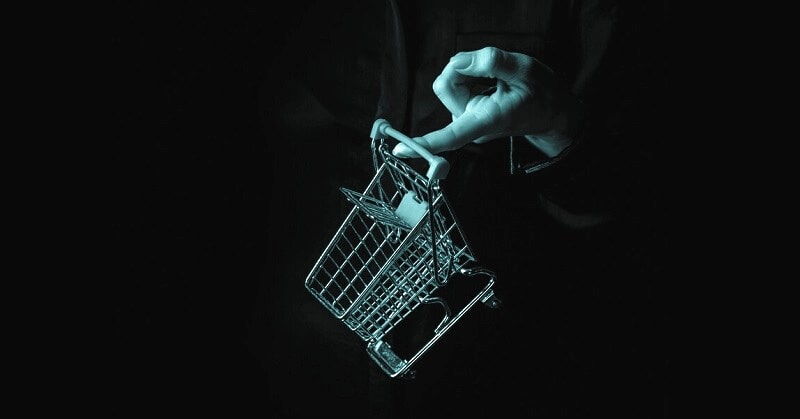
pixel 397 247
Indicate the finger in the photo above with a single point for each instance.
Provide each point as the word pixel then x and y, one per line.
pixel 453 88
pixel 463 130
pixel 478 127
pixel 403 151
pixel 493 62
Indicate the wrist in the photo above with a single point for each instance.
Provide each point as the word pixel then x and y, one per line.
pixel 551 143
pixel 565 129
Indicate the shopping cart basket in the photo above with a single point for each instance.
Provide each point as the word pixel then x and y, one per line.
pixel 397 247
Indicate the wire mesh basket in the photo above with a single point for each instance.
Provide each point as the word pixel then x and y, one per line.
pixel 398 246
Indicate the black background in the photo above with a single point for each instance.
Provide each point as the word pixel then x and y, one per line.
pixel 221 218
pixel 194 200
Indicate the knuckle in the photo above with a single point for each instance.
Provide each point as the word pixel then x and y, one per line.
pixel 442 87
pixel 492 58
pixel 439 86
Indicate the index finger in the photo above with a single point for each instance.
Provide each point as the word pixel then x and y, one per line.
pixel 462 131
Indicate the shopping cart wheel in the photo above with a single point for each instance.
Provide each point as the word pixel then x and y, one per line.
pixel 492 302
pixel 488 298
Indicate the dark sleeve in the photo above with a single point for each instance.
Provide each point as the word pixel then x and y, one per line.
pixel 617 75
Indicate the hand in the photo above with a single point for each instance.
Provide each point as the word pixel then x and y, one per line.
pixel 526 101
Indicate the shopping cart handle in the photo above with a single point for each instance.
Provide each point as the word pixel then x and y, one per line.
pixel 438 166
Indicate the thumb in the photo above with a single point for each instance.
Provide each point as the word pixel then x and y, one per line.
pixel 493 62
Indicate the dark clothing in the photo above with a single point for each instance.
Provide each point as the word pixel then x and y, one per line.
pixel 575 246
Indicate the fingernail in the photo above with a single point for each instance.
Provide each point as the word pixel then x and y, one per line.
pixel 401 150
pixel 460 62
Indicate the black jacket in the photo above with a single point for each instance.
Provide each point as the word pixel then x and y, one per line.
pixel 373 60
